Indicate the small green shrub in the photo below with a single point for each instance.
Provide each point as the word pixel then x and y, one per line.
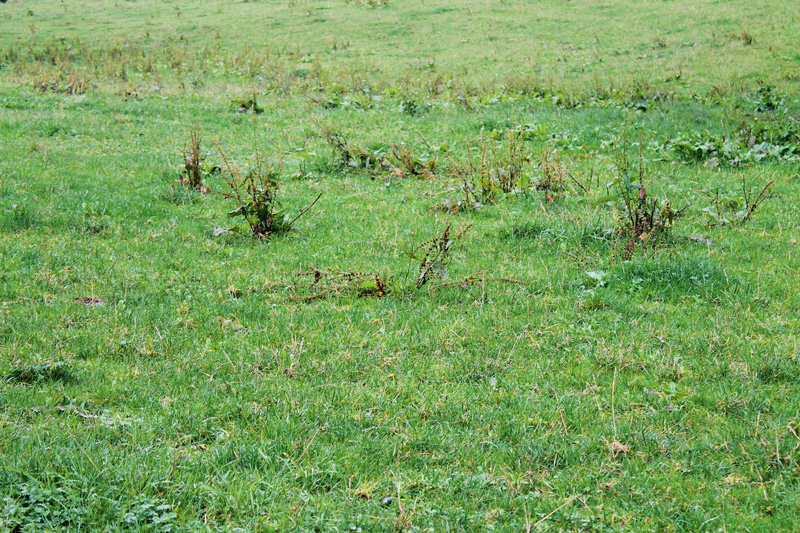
pixel 349 156
pixel 758 139
pixel 407 164
pixel 498 170
pixel 412 107
pixel 245 104
pixel 433 256
pixel 766 98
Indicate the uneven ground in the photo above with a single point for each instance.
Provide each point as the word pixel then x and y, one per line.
pixel 565 371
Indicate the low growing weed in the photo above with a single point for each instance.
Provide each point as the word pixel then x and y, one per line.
pixel 763 138
pixel 255 195
pixel 350 156
pixel 732 208
pixel 498 170
pixel 41 372
pixel 407 164
pixel 431 256
pixel 641 222
pixel 550 174
pixel 17 217
pixel 247 104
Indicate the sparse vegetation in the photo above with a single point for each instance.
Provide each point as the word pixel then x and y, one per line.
pixel 611 346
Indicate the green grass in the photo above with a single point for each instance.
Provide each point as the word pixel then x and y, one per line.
pixel 154 377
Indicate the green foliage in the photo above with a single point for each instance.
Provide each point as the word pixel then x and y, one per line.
pixel 247 105
pixel 431 257
pixel 33 507
pixel 497 170
pixel 641 222
pixel 40 373
pixel 766 98
pixel 371 4
pixel 254 192
pixel 18 217
pixel 412 107
pixel 782 131
pixel 407 164
pixel 72 83
pixel 547 383
pixel 758 139
pixel 731 150
pixel 351 157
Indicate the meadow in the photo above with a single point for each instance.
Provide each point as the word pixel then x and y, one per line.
pixel 404 265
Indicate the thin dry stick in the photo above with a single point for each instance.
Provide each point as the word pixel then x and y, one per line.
pixel 84 451
pixel 304 211
pixel 308 445
pixel 751 207
pixel 479 277
pixel 613 412
pixel 319 296
pixel 557 509
pixel 561 413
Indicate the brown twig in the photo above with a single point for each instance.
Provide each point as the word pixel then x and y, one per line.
pixel 476 278
pixel 304 211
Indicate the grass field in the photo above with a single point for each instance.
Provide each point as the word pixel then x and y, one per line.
pixel 549 284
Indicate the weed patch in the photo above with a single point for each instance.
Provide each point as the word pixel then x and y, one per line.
pixel 33 506
pixel 247 105
pixel 758 139
pixel 195 167
pixel 407 164
pixel 73 83
pixel 670 277
pixel 493 170
pixel 254 192
pixel 641 222
pixel 348 156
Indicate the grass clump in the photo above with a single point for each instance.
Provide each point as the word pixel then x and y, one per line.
pixel 41 373
pixel 18 217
